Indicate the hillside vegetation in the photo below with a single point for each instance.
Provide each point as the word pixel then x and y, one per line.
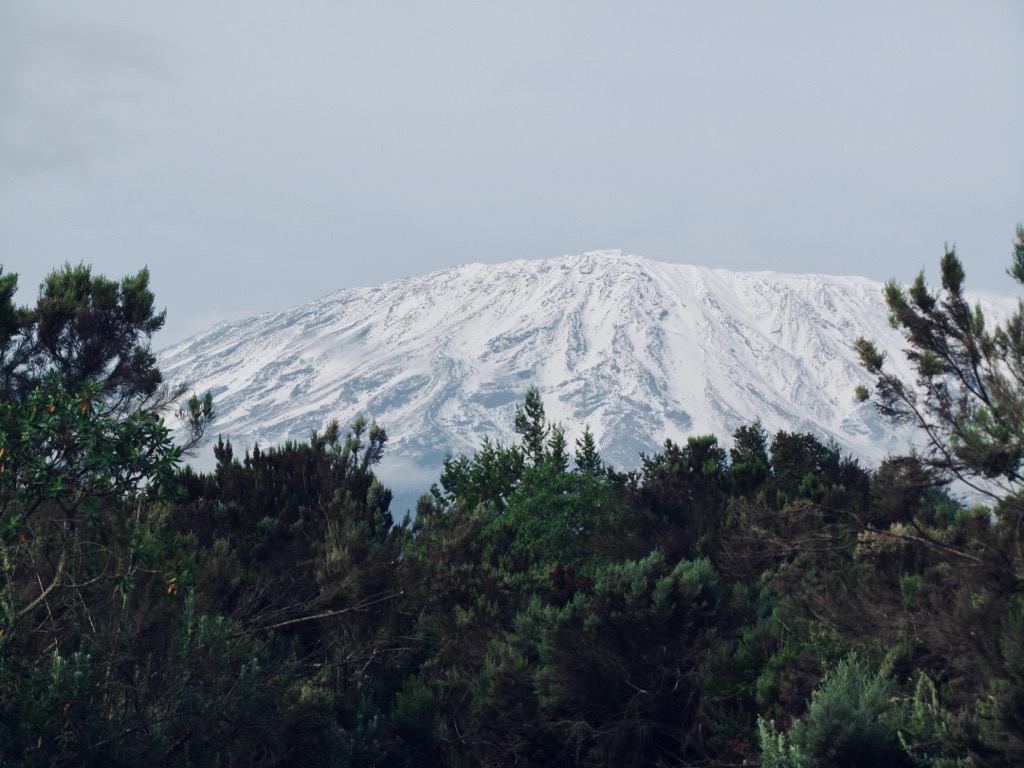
pixel 768 603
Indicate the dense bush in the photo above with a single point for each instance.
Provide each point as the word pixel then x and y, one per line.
pixel 772 603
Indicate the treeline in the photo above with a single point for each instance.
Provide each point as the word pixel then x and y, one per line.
pixel 767 603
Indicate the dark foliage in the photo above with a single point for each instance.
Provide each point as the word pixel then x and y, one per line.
pixel 768 603
pixel 85 326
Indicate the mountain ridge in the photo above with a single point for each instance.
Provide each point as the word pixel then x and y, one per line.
pixel 639 350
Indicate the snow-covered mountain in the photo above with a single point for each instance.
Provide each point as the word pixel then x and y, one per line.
pixel 639 350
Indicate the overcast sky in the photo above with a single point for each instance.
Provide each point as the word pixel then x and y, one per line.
pixel 260 155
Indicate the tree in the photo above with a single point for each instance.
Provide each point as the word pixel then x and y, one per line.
pixel 63 453
pixel 686 483
pixel 588 461
pixel 91 329
pixel 749 464
pixel 88 572
pixel 531 425
pixel 86 326
pixel 556 455
pixel 81 548
pixel 802 465
pixel 612 677
pixel 845 724
pixel 967 398
pixel 489 476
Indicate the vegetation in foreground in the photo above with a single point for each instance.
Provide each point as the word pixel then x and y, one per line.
pixel 771 604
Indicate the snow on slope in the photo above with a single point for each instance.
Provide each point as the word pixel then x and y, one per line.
pixel 640 350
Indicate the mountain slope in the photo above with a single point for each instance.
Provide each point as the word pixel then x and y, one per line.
pixel 640 350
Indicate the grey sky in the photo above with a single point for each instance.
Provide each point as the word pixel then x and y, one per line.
pixel 260 155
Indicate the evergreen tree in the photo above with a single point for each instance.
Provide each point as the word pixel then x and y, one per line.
pixel 87 327
pixel 489 476
pixel 90 329
pixel 588 461
pixel 749 464
pixel 845 725
pixel 530 424
pixel 556 455
pixel 967 398
pixel 802 465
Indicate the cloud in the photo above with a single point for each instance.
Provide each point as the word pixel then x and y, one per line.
pixel 66 88
pixel 258 155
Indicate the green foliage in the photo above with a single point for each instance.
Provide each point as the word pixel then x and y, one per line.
pixel 218 626
pixel 967 397
pixel 64 445
pixel 870 357
pixel 1003 728
pixel 749 466
pixel 87 327
pixel 65 460
pixel 488 477
pixel 86 569
pixel 553 514
pixel 612 675
pixel 415 717
pixel 588 461
pixel 795 456
pixel 196 414
pixel 845 724
pixel 685 486
pixel 714 608
pixel 531 426
pixel 89 330
pixel 931 735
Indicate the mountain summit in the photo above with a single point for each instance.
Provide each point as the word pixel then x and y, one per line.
pixel 639 350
